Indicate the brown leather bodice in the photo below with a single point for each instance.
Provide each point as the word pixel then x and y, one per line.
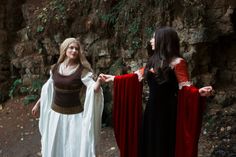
pixel 66 98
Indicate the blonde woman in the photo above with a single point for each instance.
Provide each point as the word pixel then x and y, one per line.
pixel 69 128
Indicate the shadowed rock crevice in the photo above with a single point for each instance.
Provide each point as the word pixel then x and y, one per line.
pixel 10 22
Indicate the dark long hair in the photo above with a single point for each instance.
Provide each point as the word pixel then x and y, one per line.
pixel 166 48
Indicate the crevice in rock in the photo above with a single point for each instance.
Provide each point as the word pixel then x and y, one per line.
pixel 14 17
pixel 233 19
pixel 224 59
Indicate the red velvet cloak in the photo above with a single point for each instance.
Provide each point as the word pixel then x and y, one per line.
pixel 127 113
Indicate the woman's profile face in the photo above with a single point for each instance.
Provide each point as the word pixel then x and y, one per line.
pixel 72 52
pixel 152 42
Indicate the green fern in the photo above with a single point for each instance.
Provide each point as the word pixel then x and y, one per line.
pixel 14 86
pixel 30 98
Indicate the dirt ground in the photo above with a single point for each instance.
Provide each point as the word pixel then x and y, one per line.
pixel 19 135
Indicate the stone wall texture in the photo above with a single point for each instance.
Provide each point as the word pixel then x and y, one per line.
pixel 114 35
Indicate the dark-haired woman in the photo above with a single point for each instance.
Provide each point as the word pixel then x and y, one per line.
pixel 172 117
pixel 166 73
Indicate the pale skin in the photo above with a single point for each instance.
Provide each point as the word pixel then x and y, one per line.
pixel 72 56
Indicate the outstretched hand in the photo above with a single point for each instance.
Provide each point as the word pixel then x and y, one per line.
pixel 107 78
pixel 140 73
pixel 206 91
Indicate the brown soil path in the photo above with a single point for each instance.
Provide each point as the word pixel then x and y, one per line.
pixel 19 135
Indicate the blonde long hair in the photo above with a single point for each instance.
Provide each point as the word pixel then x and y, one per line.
pixel 82 59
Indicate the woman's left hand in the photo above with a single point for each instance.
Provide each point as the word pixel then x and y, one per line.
pixel 140 73
pixel 101 78
pixel 98 83
pixel 206 91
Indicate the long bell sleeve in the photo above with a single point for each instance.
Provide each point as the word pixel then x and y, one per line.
pixel 189 113
pixel 127 113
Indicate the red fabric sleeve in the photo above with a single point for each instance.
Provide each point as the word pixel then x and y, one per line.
pixel 189 118
pixel 181 71
pixel 127 113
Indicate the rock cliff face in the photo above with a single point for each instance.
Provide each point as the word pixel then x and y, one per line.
pixel 115 35
pixel 11 20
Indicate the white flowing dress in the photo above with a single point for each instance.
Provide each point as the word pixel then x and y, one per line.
pixel 73 135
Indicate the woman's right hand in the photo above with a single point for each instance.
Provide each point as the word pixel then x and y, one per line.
pixel 108 78
pixel 35 109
